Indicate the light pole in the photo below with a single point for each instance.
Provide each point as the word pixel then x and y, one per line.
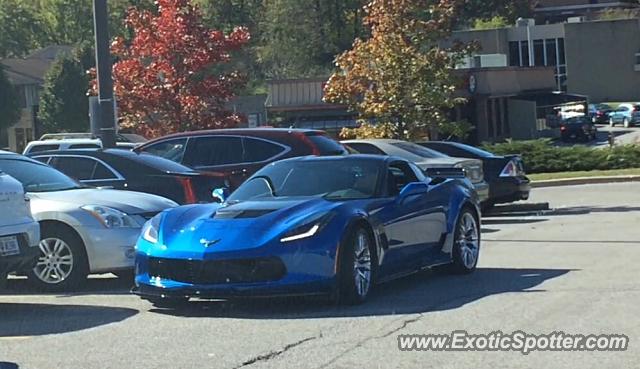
pixel 106 116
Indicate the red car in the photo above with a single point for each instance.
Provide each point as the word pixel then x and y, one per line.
pixel 238 153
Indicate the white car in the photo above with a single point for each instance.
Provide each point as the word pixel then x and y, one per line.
pixel 84 230
pixel 52 144
pixel 19 232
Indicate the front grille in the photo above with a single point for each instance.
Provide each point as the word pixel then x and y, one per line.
pixel 217 271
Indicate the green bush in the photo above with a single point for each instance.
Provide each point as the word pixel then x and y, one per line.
pixel 540 156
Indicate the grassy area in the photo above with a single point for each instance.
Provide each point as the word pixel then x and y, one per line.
pixel 592 173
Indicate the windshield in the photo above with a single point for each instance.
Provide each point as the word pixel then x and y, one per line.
pixel 37 177
pixel 333 179
pixel 418 150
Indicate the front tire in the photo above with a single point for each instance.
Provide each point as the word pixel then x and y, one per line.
pixel 62 264
pixel 466 247
pixel 611 122
pixel 625 123
pixel 357 267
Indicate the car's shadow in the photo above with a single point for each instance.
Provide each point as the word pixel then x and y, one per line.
pixel 30 319
pixel 421 293
pixel 93 286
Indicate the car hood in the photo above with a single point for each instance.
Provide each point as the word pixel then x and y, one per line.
pixel 239 226
pixel 126 201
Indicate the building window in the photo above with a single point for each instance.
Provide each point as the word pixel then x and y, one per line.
pixel 499 118
pixel 524 53
pixel 538 52
pixel 550 52
pixel 490 119
pixel 21 142
pixel 561 58
pixel 514 53
pixel 637 66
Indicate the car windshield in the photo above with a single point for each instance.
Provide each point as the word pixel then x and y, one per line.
pixel 333 179
pixel 418 150
pixel 36 177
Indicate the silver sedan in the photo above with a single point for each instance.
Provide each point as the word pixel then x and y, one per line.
pixel 83 230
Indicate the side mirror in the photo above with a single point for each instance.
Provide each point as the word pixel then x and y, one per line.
pixel 220 194
pixel 413 189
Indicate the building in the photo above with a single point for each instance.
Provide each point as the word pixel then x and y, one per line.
pixel 27 75
pixel 598 59
pixel 299 103
pixel 555 11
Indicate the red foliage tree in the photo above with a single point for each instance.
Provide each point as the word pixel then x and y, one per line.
pixel 173 75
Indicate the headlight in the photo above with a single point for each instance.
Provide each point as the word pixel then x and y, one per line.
pixel 150 229
pixel 111 218
pixel 308 228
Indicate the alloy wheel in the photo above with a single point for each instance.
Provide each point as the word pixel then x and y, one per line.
pixel 468 240
pixel 55 263
pixel 362 264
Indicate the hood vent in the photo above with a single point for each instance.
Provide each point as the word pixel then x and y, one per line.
pixel 241 214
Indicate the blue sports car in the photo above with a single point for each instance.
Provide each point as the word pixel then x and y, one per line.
pixel 309 226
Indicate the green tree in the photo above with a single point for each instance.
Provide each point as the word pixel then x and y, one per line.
pixel 399 75
pixel 64 105
pixel 19 28
pixel 300 38
pixel 493 23
pixel 10 105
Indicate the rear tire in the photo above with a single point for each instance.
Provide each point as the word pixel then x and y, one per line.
pixel 62 264
pixel 356 267
pixel 466 244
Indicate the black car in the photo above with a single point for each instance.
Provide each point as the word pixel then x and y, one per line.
pixel 505 174
pixel 599 113
pixel 239 153
pixel 142 172
pixel 578 129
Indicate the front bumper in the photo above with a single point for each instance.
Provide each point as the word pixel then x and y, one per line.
pixel 482 189
pixel 308 268
pixel 109 249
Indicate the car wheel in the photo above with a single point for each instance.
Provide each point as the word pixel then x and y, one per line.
pixel 466 247
pixel 625 122
pixel 168 302
pixel 611 122
pixel 62 264
pixel 3 280
pixel 356 267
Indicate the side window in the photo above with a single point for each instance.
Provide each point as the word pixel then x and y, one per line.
pixel 171 149
pixel 259 150
pixel 399 175
pixel 80 169
pixel 364 148
pixel 215 150
pixel 43 159
pixel 40 148
pixel 84 146
pixel 101 172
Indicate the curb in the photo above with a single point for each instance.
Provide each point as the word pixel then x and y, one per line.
pixel 584 181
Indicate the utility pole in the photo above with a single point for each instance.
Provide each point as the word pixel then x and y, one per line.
pixel 103 67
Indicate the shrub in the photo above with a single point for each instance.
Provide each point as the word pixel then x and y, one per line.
pixel 539 156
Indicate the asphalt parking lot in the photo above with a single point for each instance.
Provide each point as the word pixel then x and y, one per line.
pixel 572 270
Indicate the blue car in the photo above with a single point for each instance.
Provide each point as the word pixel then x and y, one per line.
pixel 331 226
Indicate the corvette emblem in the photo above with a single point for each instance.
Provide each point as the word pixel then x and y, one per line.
pixel 209 243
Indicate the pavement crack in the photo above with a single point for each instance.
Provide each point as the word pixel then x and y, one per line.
pixel 273 354
pixel 405 323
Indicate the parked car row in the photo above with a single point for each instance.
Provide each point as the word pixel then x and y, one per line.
pixel 627 114
pixel 84 229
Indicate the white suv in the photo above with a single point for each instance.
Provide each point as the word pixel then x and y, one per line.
pixel 19 232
